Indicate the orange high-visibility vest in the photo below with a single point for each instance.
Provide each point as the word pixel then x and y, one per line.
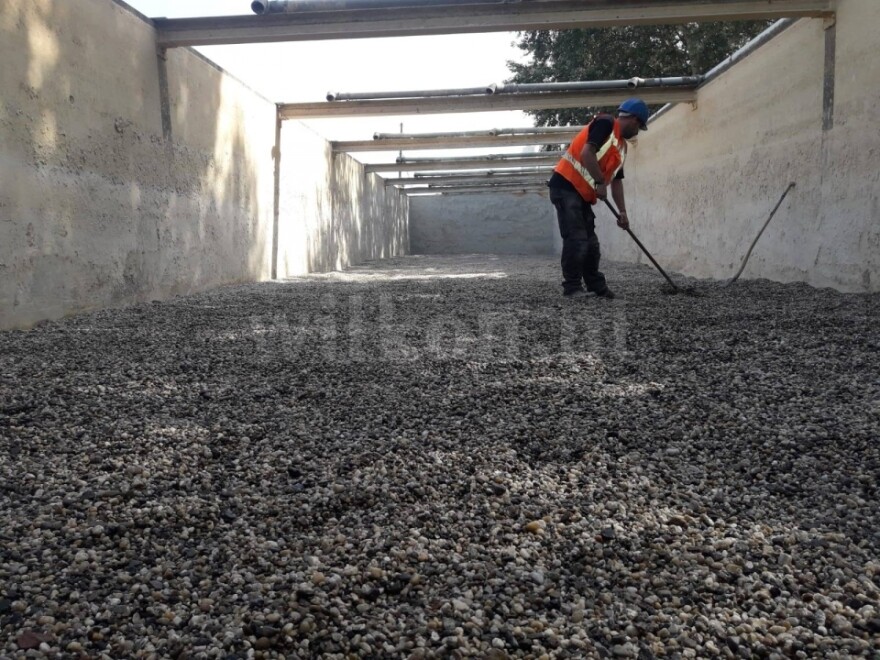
pixel 610 155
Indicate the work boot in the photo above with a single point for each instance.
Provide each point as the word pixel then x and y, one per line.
pixel 606 293
pixel 574 293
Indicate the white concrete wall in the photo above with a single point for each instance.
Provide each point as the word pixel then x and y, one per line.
pixel 97 208
pixel 333 215
pixel 703 180
pixel 498 223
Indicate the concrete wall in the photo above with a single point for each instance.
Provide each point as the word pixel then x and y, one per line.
pixel 499 223
pixel 96 208
pixel 332 214
pixel 101 205
pixel 703 180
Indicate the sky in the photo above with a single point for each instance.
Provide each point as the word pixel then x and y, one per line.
pixel 305 71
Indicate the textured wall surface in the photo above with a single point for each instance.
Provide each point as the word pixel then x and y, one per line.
pixel 96 207
pixel 332 214
pixel 703 180
pixel 103 203
pixel 499 223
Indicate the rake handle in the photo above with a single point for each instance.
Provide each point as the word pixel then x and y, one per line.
pixel 763 227
pixel 639 243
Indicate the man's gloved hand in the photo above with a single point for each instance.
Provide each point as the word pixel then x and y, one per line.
pixel 602 191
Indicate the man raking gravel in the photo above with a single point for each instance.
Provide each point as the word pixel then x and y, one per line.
pixel 591 164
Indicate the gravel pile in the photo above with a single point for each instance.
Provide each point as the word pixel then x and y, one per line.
pixel 442 458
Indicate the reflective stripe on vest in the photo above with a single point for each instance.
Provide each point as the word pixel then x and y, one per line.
pixel 580 168
pixel 610 156
pixel 610 142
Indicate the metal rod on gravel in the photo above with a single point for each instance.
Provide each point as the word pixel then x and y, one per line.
pixel 639 243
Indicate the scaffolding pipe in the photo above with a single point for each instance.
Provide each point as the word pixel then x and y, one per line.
pixel 413 94
pixel 765 36
pixel 494 132
pixel 521 88
pixel 473 182
pixel 539 130
pixel 525 156
pixel 525 171
pixel 451 167
pixel 426 177
pixel 774 30
pixel 576 86
pixel 417 136
pixel 262 7
pixel 538 177
pixel 489 186
pixel 662 111
pixel 587 85
pixel 472 190
pixel 533 170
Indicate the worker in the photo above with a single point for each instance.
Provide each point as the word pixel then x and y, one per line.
pixel 592 164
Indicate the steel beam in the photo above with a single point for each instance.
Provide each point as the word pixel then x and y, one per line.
pixel 487 103
pixel 462 142
pixel 463 164
pixel 476 17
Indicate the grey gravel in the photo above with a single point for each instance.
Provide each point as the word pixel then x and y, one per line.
pixel 442 458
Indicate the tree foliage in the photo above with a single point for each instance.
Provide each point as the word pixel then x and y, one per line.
pixel 624 52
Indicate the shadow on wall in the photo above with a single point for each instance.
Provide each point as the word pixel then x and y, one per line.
pixel 362 220
pixel 97 207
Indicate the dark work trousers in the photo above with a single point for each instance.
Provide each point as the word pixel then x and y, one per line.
pixel 580 245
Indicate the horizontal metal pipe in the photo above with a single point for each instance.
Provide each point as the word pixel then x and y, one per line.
pixel 445 165
pixel 497 186
pixel 266 6
pixel 538 177
pixel 538 130
pixel 412 94
pixel 587 85
pixel 528 130
pixel 481 103
pixel 425 186
pixel 262 7
pixel 519 88
pixel 457 142
pixel 540 155
pixel 378 137
pixel 525 171
pixel 472 190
